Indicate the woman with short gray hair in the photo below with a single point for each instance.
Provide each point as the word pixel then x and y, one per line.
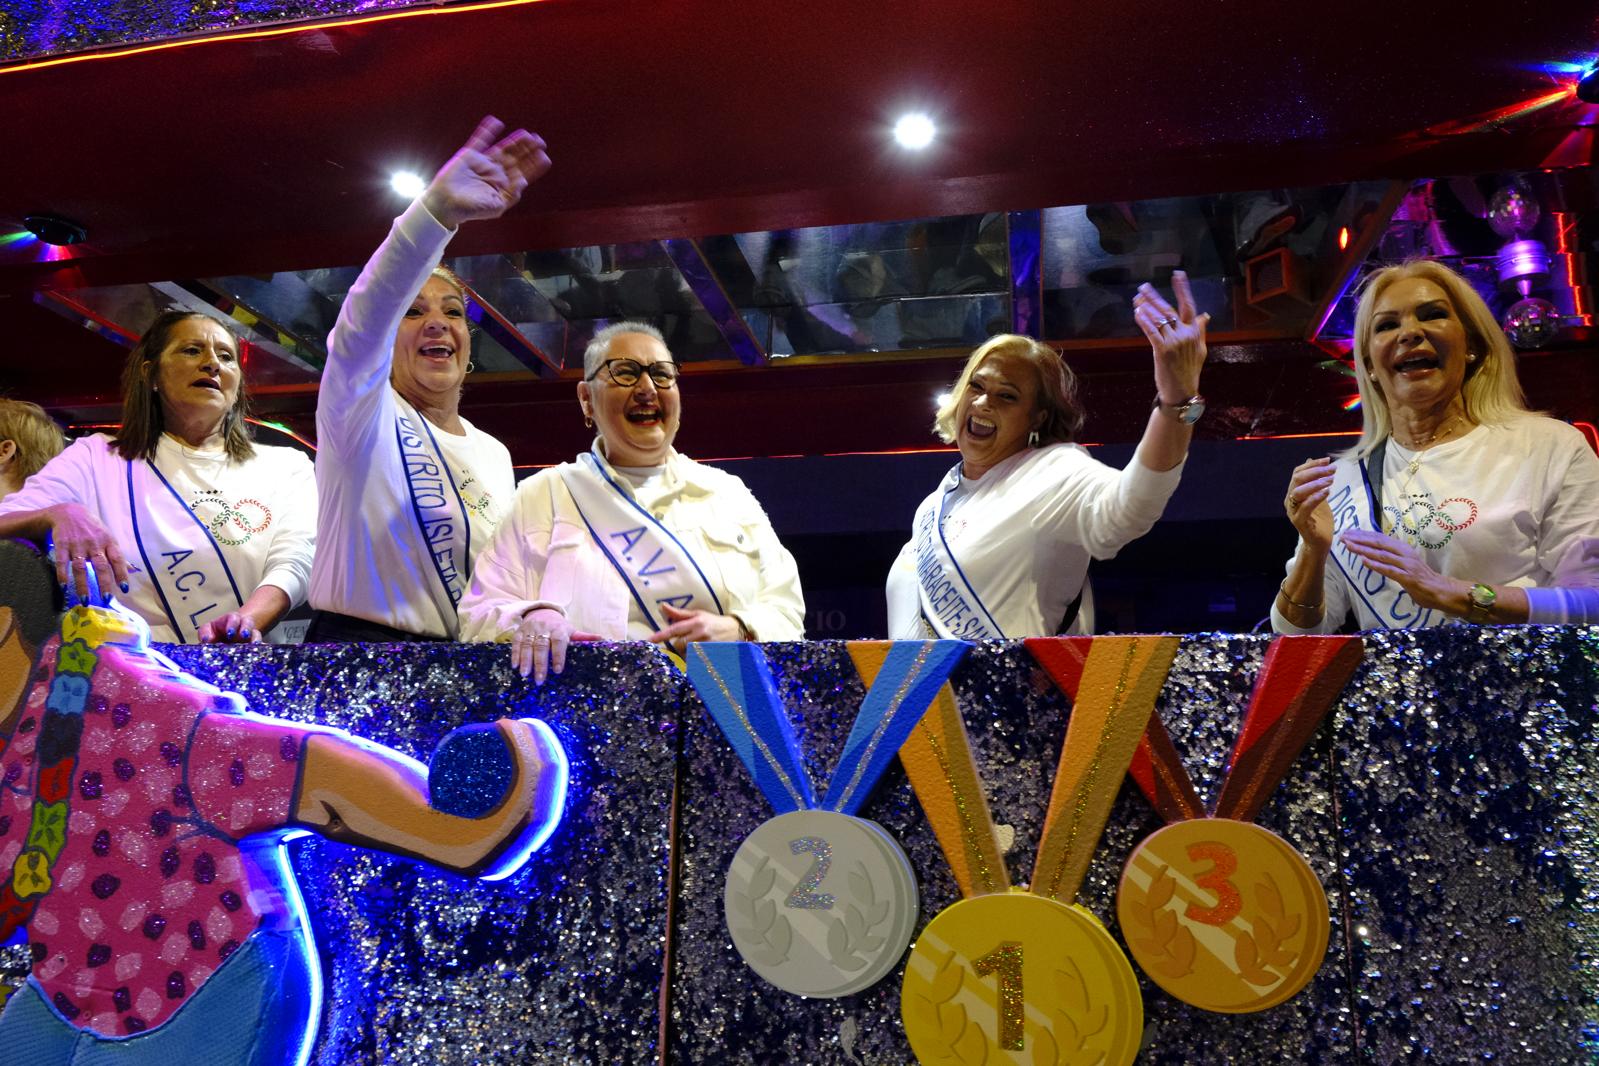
pixel 632 540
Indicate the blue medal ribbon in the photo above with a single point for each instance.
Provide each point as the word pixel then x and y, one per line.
pixel 900 694
pixel 736 686
pixel 735 683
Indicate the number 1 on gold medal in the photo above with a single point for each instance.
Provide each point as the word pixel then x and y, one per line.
pixel 1006 960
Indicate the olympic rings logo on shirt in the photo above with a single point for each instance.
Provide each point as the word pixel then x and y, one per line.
pixel 248 516
pixel 1415 523
pixel 480 506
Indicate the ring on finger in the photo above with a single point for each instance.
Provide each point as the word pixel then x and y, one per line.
pixel 1168 321
pixel 542 638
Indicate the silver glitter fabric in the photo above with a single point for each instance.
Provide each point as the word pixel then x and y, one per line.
pixel 1457 852
pixel 31 29
pixel 1448 807
pixel 1467 803
pixel 562 962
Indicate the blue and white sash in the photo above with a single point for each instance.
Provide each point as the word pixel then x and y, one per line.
pixel 656 566
pixel 1353 507
pixel 436 502
pixel 185 563
pixel 951 606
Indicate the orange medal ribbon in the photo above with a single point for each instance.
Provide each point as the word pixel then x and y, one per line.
pixel 1219 912
pixel 1013 975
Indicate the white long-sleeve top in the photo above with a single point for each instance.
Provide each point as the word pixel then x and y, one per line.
pixel 1514 504
pixel 1025 531
pixel 261 513
pixel 374 562
pixel 544 555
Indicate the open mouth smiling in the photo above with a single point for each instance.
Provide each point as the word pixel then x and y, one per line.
pixel 645 416
pixel 1417 361
pixel 437 351
pixel 980 428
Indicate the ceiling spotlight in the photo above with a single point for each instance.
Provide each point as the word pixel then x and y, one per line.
pixel 407 184
pixel 1588 87
pixel 942 399
pixel 914 131
pixel 53 229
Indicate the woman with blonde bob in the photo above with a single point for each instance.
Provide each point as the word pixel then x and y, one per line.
pixel 1001 548
pixel 1457 504
pixel 28 440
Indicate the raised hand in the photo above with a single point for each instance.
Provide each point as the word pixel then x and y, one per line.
pixel 1176 335
pixel 486 177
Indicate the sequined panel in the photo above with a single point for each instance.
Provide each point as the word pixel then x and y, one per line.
pixel 1468 806
pixel 1448 807
pixel 560 963
pixel 35 28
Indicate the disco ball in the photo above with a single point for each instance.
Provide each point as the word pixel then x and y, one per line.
pixel 1513 211
pixel 1532 323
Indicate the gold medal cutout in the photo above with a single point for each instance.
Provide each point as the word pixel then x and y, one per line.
pixel 1012 975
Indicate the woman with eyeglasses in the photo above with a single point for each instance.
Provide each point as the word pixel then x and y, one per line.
pixel 630 541
pixel 410 490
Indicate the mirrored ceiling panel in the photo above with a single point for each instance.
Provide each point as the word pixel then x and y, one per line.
pixel 1261 263
pixel 1275 263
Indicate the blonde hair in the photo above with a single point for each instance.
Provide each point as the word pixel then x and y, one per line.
pixel 37 437
pixel 1491 392
pixel 1057 388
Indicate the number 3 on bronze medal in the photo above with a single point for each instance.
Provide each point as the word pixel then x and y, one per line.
pixel 1224 863
pixel 1223 914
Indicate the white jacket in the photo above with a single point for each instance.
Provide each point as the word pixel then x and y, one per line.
pixel 543 555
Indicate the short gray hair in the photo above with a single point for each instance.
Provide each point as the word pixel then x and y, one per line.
pixel 599 348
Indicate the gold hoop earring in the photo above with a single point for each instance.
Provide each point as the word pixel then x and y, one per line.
pixel 588 420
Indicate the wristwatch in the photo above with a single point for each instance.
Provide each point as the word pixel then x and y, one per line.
pixel 1187 412
pixel 1482 603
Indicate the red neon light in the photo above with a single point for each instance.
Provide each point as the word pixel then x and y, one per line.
pixel 1299 436
pixel 1343 238
pixel 1564 225
pixel 255 35
pixel 1589 430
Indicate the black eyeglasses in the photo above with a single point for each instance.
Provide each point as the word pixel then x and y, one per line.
pixel 626 372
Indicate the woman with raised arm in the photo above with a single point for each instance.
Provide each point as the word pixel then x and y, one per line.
pixel 1458 504
pixel 1001 548
pixel 410 490
pixel 632 540
pixel 208 534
